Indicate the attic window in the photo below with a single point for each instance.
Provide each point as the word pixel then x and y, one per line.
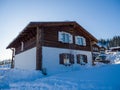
pixel 81 59
pixel 66 59
pixel 65 37
pixel 79 40
pixel 22 46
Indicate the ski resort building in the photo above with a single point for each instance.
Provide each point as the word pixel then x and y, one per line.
pixel 96 50
pixel 113 50
pixel 52 46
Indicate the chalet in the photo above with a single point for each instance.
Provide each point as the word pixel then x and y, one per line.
pixel 52 46
pixel 113 50
pixel 96 50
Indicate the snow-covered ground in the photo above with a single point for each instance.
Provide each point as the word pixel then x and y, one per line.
pixel 105 77
pixel 99 77
pixel 115 58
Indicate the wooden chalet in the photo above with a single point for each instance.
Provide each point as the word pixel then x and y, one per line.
pixel 96 50
pixel 52 45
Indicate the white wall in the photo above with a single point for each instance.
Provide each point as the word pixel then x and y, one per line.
pixel 51 59
pixel 26 60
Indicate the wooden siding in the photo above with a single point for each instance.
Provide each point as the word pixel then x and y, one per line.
pixel 95 48
pixel 50 39
pixel 27 45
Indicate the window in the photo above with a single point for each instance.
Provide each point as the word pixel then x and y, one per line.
pixel 66 59
pixel 95 49
pixel 79 40
pixel 65 37
pixel 81 59
pixel 22 46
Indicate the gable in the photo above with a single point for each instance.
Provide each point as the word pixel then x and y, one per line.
pixel 30 31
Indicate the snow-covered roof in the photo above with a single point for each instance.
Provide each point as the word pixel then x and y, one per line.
pixel 118 47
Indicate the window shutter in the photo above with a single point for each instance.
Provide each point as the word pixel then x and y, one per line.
pixel 67 38
pixel 76 39
pixel 85 58
pixel 71 58
pixel 84 41
pixel 78 58
pixel 60 37
pixel 61 58
pixel 70 38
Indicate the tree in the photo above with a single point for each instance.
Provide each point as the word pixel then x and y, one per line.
pixel 113 42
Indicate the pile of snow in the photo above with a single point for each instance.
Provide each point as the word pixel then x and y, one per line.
pixel 114 58
pixel 3 81
pixel 8 76
pixel 5 66
pixel 105 77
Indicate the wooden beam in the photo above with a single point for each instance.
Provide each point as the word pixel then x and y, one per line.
pixel 13 54
pixel 39 48
pixel 91 46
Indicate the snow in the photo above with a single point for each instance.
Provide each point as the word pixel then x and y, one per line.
pixel 114 57
pixel 99 77
pixel 104 77
pixel 115 47
pixel 5 66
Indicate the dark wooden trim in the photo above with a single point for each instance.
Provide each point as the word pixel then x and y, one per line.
pixel 12 62
pixel 91 45
pixel 39 48
pixel 31 43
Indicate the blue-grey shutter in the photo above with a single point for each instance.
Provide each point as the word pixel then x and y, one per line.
pixel 84 41
pixel 70 38
pixel 60 37
pixel 76 40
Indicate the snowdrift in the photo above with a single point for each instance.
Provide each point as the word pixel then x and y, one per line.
pixel 8 76
pixel 105 77
pixel 114 58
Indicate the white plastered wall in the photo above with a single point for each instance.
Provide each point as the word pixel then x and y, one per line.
pixel 26 60
pixel 51 59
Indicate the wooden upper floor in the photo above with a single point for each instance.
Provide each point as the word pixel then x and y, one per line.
pixel 96 48
pixel 69 35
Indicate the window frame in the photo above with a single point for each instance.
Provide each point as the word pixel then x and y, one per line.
pixel 80 40
pixel 65 37
pixel 83 57
pixel 66 59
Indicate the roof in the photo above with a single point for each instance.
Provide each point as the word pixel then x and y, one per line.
pixel 31 27
pixel 96 45
pixel 118 47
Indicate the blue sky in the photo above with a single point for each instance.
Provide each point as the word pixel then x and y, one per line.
pixel 99 17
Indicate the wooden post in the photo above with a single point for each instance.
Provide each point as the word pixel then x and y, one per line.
pixel 91 45
pixel 13 55
pixel 39 49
